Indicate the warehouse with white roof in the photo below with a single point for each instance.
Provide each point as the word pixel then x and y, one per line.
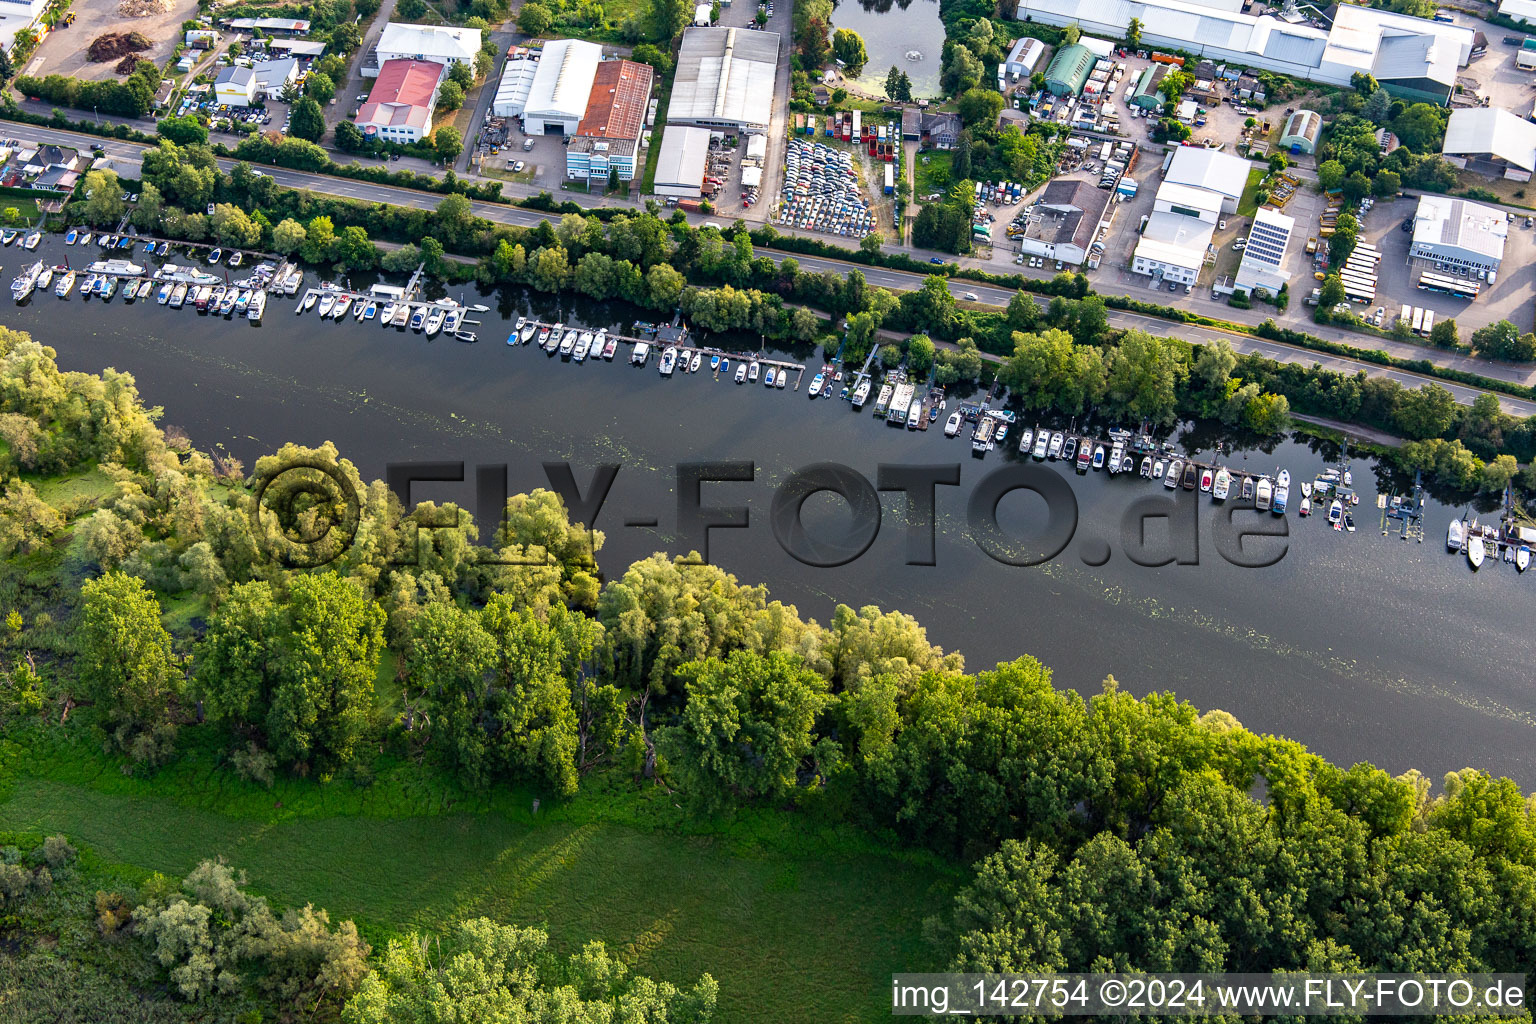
pixel 1199 186
pixel 1458 236
pixel 725 79
pixel 1212 170
pixel 557 96
pixel 438 44
pixel 680 163
pixel 1491 141
pixel 1414 58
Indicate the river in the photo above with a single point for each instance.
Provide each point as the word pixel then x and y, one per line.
pixel 1362 647
pixel 891 29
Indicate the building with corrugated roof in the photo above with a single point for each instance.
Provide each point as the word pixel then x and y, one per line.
pixel 1147 94
pixel 1413 58
pixel 557 97
pixel 1492 141
pixel 680 163
pixel 1068 71
pixel 725 79
pixel 1301 132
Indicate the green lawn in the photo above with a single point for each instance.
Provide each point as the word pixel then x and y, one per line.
pixel 1247 206
pixel 933 172
pixel 792 926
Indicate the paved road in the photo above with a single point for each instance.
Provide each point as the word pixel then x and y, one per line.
pixel 883 277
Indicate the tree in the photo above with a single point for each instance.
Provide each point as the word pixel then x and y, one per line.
pixel 1425 411
pixel 306 120
pixel 184 131
pixel 287 236
pixel 103 203
pixel 1503 340
pixel 1144 374
pixel 1133 34
pixel 1445 335
pixel 1386 183
pixel 345 38
pixel 1378 108
pixel 848 47
pixel 1267 414
pixel 448 142
pixel 980 106
pixel 125 664
pixel 650 53
pixel 461 75
pixel 1331 293
pixel 745 731
pixel 1421 127
pixel 232 226
pixel 1363 83
pixel 1356 187
pixel 320 88
pixel 450 96
pixel 353 251
pixel 666 18
pixel 898 86
pixel 919 354
pixel 319 236
pixel 1330 175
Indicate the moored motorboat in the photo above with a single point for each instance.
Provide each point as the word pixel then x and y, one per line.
pixel 179 295
pixel 257 307
pixel 1069 448
pixel 1157 469
pixel 1476 551
pixel 342 305
pixel 697 361
pixel 32 240
pixel 388 312
pixel 418 318
pixel 1098 456
pixel 1263 494
pixel 668 361
pixel 466 336
pixel 816 381
pixel 372 310
pixel 781 379
pixel 73 234
pixel 610 344
pixel 516 329
pixel 1306 507
pixel 359 307
pixel 1190 477
pixel 567 343
pixel 327 303
pixel 66 285
pixel 860 393
pixel 1207 479
pixel 1175 470
pixel 752 372
pixel 243 302
pixel 1042 443
pixel 1222 485
pixel 215 256
pixel 1455 535
pixel 1053 450
pixel 45 279
pixel 543 336
pixel 1084 455
pixel 1247 490
pixel 163 296
pixel 741 373
pixel 1523 557
pixel 1281 500
pixel 527 332
pixel 952 427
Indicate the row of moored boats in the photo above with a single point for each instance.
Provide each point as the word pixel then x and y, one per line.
pixel 444 315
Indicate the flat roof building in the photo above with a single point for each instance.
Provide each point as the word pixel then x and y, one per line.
pixel 680 164
pixel 725 79
pixel 1210 169
pixel 1301 131
pixel 1068 71
pixel 399 106
pixel 1264 257
pixel 1497 141
pixel 608 137
pixel 1173 247
pixel 1457 235
pixel 557 97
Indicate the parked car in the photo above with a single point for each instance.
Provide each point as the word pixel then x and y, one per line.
pixel 935 259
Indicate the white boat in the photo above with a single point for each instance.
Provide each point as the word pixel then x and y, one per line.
pixel 327 303
pixel 914 415
pixel 1335 513
pixel 1207 478
pixel 25 282
pixel 583 347
pixel 1263 494
pixel 84 240
pixel 1282 499
pixel 418 318
pixel 668 361
pixel 741 373
pixel 372 310
pixel 32 240
pixel 1306 507
pixel 237 259
pixel 1283 478
pixel 1306 489
pixel 568 341
pixel 310 298
pixel 860 393
pixel 179 294
pixel 696 362
pixel 292 282
pixel 45 279
pixel 782 378
pixel 1223 485
pixel 215 256
pixel 69 239
pixel 816 382
pixel 525 335
pixel 343 304
pixel 517 329
pixel 451 321
pixel 714 362
pixel 257 307
pixel 1523 557
pixel 1026 440
pixel 243 302
pixel 1455 535
pixel 1053 447
pixel 388 312
pixel 1157 469
pixel 231 298
pixel 66 285
pixel 164 295
pixel 1175 468
pixel 880 403
pixel 725 367
pixel 1042 444
pixel 359 307
pixel 216 298
pixel 952 425
pixel 1475 551
pixel 122 268
pixel 752 375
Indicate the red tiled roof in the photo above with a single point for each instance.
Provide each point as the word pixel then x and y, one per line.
pixel 402 94
pixel 616 105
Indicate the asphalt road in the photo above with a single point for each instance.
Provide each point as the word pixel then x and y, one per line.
pixel 885 278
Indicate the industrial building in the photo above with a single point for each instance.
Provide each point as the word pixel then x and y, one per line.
pixel 1458 236
pixel 680 163
pixel 1024 58
pixel 1301 132
pixel 1147 93
pixel 557 96
pixel 516 83
pixel 1068 71
pixel 725 79
pixel 436 44
pixel 1212 170
pixel 400 105
pixel 1491 141
pixel 1519 10
pixel 1264 257
pixel 1413 58
pixel 1065 222
pixel 1199 186
pixel 608 138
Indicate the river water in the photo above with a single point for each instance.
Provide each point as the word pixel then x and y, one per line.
pixel 891 29
pixel 1363 647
